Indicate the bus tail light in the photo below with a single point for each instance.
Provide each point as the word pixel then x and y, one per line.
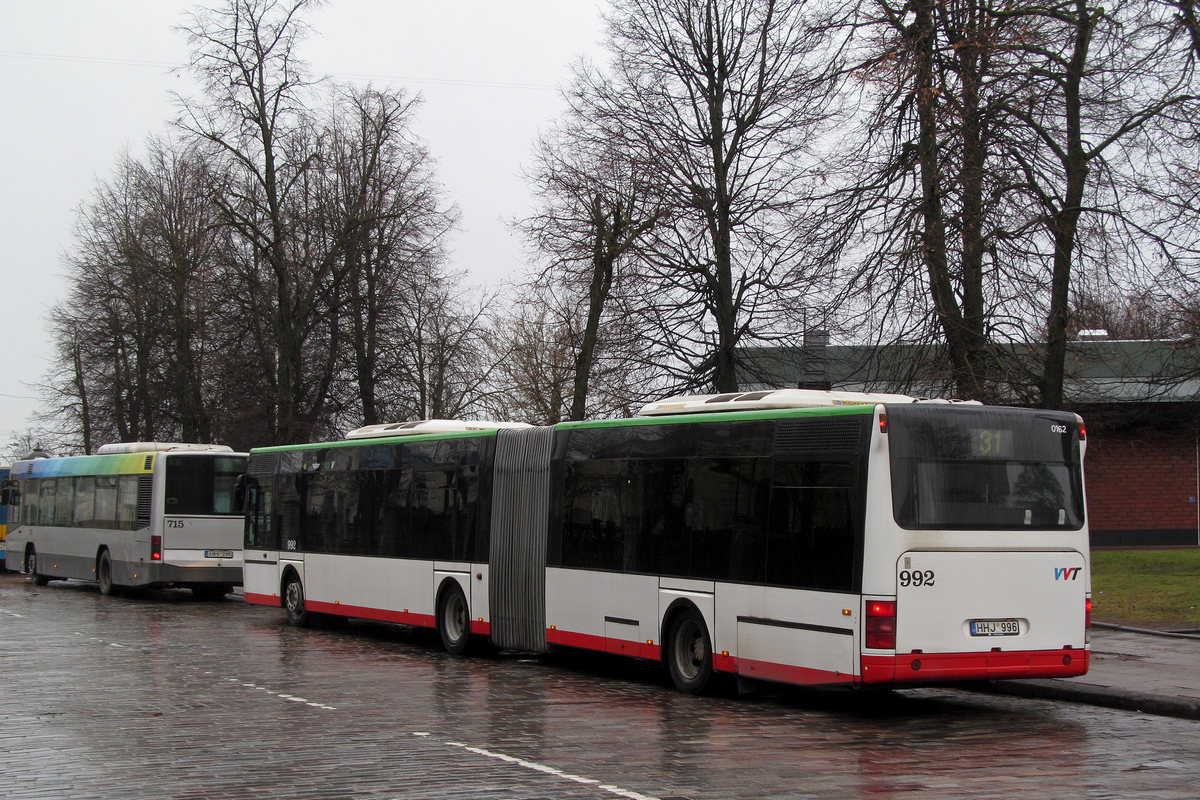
pixel 156 548
pixel 1087 620
pixel 881 625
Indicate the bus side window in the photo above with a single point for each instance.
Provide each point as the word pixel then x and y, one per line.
pixel 815 519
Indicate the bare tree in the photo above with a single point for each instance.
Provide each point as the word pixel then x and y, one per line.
pixel 1103 78
pixel 182 242
pixel 536 352
pixel 992 131
pixel 132 338
pixel 256 112
pixel 392 220
pixel 717 102
pixel 596 209
pixel 444 370
pixel 1131 317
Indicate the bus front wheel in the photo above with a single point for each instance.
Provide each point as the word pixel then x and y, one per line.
pixel 689 652
pixel 31 567
pixel 454 620
pixel 293 603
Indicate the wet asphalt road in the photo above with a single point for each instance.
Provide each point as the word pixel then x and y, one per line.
pixel 161 696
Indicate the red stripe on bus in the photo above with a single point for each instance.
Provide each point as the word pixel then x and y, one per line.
pixel 723 663
pixel 786 673
pixel 604 644
pixel 363 612
pixel 932 667
pixel 262 599
pixel 763 670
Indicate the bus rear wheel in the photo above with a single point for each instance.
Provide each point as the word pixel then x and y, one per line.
pixel 689 652
pixel 293 603
pixel 454 620
pixel 104 573
pixel 32 568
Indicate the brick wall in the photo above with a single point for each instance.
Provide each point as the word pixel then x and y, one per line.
pixel 1141 487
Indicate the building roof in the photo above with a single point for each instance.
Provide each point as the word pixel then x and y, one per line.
pixel 1102 371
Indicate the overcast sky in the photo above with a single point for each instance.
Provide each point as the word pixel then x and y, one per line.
pixel 82 81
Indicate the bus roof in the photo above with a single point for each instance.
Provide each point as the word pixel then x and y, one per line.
pixel 768 400
pixel 424 426
pixel 158 447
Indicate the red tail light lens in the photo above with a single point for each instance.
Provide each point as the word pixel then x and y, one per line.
pixel 1087 613
pixel 156 548
pixel 881 625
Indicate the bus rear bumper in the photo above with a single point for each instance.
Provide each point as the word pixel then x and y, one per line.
pixel 171 575
pixel 912 668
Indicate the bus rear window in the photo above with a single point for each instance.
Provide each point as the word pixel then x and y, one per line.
pixel 976 468
pixel 202 485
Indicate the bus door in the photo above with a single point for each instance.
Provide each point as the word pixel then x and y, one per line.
pixel 271 500
pixel 290 519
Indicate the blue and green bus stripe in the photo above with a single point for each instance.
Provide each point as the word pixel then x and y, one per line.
pixel 75 466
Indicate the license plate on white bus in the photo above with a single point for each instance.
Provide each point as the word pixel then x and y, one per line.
pixel 995 627
pixel 218 554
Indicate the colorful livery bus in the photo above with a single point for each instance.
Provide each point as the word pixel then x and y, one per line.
pixel 817 538
pixel 140 514
pixel 3 517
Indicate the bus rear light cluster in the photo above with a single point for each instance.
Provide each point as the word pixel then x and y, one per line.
pixel 881 625
pixel 1087 620
pixel 156 548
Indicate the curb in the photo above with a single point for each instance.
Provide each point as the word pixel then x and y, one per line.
pixel 1104 696
pixel 1108 626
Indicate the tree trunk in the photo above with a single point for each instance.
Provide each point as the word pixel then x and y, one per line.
pixel 933 233
pixel 1064 223
pixel 603 258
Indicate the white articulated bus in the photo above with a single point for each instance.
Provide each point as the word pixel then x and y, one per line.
pixel 817 538
pixel 137 514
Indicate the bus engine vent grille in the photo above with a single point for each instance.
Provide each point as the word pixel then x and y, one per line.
pixel 262 464
pixel 149 465
pixel 145 486
pixel 817 436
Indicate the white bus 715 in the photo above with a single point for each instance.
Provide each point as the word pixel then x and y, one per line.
pixel 817 538
pixel 136 514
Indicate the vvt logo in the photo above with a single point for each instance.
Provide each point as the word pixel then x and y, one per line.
pixel 1067 573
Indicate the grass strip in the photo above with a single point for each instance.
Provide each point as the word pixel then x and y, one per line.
pixel 1147 588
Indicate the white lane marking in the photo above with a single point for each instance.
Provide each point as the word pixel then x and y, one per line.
pixel 291 698
pixel 548 770
pixel 280 695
